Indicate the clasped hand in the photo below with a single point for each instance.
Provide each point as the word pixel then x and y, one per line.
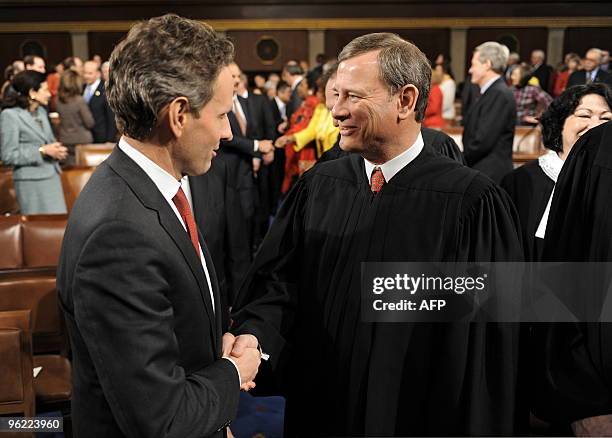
pixel 245 354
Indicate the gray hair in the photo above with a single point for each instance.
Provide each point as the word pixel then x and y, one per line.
pixel 539 53
pixel 400 63
pixel 494 52
pixel 595 50
pixel 161 59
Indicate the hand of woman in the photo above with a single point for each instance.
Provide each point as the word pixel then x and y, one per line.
pixel 55 151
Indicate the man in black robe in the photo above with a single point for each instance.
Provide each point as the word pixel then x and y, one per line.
pixel 301 300
pixel 572 383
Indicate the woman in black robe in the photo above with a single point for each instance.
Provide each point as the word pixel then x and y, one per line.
pixel 572 384
pixel 531 186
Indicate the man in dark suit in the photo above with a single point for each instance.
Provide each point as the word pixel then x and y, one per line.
pixel 293 74
pixel 136 280
pixel 489 125
pixel 541 70
pixel 219 216
pixel 252 127
pixel 592 71
pixel 105 129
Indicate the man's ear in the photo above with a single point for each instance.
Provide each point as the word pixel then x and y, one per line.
pixel 408 96
pixel 177 115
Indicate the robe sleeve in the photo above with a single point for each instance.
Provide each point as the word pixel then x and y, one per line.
pixel 489 228
pixel 267 300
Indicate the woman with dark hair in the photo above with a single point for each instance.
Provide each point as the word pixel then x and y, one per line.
pixel 577 110
pixel 76 119
pixel 27 143
pixel 531 100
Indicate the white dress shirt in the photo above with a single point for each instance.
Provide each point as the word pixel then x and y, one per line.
pixel 394 165
pixel 486 86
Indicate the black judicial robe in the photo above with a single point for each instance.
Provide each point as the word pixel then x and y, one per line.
pixel 575 367
pixel 301 299
pixel 530 189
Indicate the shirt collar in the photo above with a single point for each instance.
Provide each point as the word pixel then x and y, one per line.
pixel 393 166
pixel 166 184
pixel 486 86
pixel 95 85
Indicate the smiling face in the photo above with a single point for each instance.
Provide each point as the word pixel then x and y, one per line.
pixel 201 135
pixel 365 111
pixel 591 111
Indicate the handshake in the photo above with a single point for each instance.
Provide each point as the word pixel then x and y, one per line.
pixel 243 351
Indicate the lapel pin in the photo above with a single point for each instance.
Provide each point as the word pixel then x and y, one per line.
pixel 97 93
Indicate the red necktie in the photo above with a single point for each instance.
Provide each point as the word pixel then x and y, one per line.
pixel 182 204
pixel 377 181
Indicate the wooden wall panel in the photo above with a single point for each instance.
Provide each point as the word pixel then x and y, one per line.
pixel 293 44
pixel 527 39
pixel 56 46
pixel 580 40
pixel 430 41
pixel 102 43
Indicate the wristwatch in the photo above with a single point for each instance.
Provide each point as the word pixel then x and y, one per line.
pixel 42 151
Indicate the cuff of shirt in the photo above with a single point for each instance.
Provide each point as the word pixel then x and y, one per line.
pixel 255 145
pixel 237 370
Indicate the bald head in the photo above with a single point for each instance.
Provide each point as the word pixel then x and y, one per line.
pixel 91 72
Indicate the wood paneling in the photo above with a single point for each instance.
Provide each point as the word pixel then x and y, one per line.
pixel 430 41
pixel 293 44
pixel 56 46
pixel 580 40
pixel 102 43
pixel 527 39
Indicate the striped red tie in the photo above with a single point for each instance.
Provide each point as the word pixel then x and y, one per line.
pixel 182 204
pixel 377 181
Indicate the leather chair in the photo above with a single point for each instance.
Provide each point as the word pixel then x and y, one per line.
pixel 92 154
pixel 73 181
pixel 30 253
pixel 8 199
pixel 16 379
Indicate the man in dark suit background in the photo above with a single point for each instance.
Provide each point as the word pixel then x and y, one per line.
pixel 592 71
pixel 105 129
pixel 136 280
pixel 293 74
pixel 489 124
pixel 252 127
pixel 540 69
pixel 217 210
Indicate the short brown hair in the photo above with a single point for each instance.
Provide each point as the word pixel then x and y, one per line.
pixel 71 85
pixel 400 63
pixel 161 59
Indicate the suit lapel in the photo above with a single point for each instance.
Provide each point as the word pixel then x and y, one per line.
pixel 244 103
pixel 36 129
pixel 150 196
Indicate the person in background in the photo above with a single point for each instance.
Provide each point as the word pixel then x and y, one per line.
pixel 530 186
pixel 531 101
pixel 28 145
pixel 541 70
pixel 260 85
pixel 97 59
pixel 53 82
pixel 513 62
pixel 9 74
pixel 76 119
pixel 73 63
pixel 433 112
pixel 605 61
pixel 571 64
pixel 36 63
pixel 449 90
pixel 104 71
pixel 94 93
pixel 321 127
pixel 293 74
pixel 591 71
pixel 489 124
